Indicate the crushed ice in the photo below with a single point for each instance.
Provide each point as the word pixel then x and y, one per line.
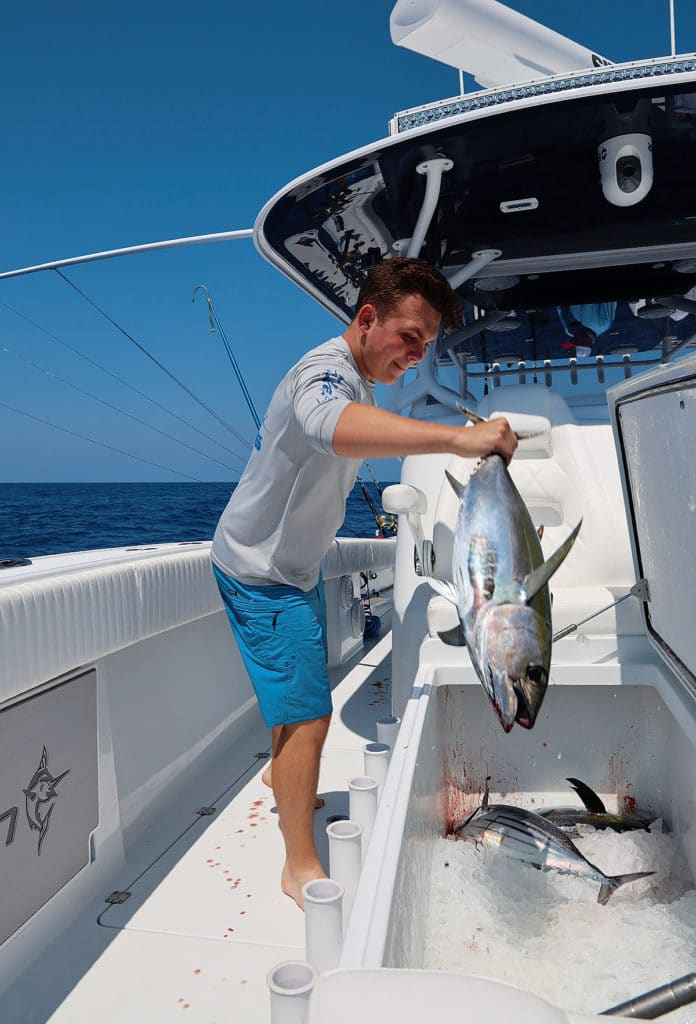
pixel 545 932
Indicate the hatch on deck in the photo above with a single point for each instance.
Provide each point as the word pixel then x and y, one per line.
pixel 654 422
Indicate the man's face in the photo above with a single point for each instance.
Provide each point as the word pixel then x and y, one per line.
pixel 393 345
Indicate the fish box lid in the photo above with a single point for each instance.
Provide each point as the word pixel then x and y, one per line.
pixel 654 422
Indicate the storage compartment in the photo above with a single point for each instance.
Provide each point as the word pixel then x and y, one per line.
pixel 452 906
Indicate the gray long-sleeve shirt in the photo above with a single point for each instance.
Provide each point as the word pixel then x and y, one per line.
pixel 291 498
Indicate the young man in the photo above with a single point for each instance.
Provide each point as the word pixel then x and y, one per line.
pixel 282 517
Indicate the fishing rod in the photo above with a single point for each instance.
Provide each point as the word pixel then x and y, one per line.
pixel 375 481
pixel 386 523
pixel 215 322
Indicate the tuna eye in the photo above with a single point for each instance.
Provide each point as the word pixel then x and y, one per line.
pixel 535 673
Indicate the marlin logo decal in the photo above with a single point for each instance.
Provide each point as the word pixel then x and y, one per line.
pixel 41 797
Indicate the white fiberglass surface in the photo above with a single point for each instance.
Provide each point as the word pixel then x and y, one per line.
pixel 458 907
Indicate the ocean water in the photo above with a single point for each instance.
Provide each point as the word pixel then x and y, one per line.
pixel 45 519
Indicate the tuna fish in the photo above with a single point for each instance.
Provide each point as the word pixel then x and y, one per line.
pixel 500 590
pixel 528 837
pixel 595 813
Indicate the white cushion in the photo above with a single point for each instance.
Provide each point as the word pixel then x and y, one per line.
pixel 569 472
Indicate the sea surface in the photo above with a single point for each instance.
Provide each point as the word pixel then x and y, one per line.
pixel 47 519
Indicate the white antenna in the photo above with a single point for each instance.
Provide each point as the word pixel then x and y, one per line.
pixel 494 43
pixel 671 27
pixel 461 82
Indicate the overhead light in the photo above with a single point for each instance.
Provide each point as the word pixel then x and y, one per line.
pixel 653 310
pixel 509 323
pixel 519 205
pixel 495 284
pixel 660 67
pixel 685 266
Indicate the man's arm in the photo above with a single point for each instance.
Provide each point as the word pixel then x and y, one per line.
pixel 365 432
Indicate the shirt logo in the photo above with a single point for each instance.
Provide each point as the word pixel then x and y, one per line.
pixel 330 384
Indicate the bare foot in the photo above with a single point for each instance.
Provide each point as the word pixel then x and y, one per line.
pixel 266 779
pixel 292 884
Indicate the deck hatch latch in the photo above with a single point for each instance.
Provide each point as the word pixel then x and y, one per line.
pixel 118 897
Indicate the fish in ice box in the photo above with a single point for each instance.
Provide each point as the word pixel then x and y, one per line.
pixel 526 836
pixel 500 589
pixel 595 813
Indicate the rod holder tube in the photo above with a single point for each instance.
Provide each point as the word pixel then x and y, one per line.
pixel 345 860
pixel 290 985
pixel 387 731
pixel 376 763
pixel 362 805
pixel 323 907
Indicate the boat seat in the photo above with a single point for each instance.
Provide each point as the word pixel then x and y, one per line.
pixel 567 472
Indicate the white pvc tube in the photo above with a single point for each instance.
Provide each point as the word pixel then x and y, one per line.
pixel 376 763
pixel 433 170
pixel 362 805
pixel 480 259
pixel 323 907
pixel 290 986
pixel 387 730
pixel 345 860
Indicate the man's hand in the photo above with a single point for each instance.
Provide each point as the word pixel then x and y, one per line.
pixel 488 437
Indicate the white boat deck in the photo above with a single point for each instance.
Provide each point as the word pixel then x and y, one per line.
pixel 206 918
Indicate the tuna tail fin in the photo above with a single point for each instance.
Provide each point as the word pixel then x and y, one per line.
pixel 588 796
pixel 540 576
pixel 610 885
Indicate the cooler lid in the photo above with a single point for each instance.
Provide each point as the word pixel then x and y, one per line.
pixel 654 422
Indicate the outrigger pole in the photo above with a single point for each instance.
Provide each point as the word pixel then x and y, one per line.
pixel 172 243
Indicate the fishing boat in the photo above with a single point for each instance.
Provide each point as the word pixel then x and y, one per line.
pixel 140 845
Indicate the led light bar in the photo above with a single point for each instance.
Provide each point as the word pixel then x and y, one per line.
pixel 430 113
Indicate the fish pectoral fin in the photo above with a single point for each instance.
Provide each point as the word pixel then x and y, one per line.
pixel 588 796
pixel 540 576
pixel 453 637
pixel 444 588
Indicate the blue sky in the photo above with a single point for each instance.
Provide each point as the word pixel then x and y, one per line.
pixel 128 123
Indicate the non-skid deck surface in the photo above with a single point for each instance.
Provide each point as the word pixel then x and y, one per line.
pixel 206 919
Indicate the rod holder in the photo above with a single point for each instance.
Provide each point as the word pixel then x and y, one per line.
pixel 362 805
pixel 376 763
pixel 345 860
pixel 323 907
pixel 387 731
pixel 290 985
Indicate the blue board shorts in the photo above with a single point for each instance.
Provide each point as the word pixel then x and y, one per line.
pixel 281 634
